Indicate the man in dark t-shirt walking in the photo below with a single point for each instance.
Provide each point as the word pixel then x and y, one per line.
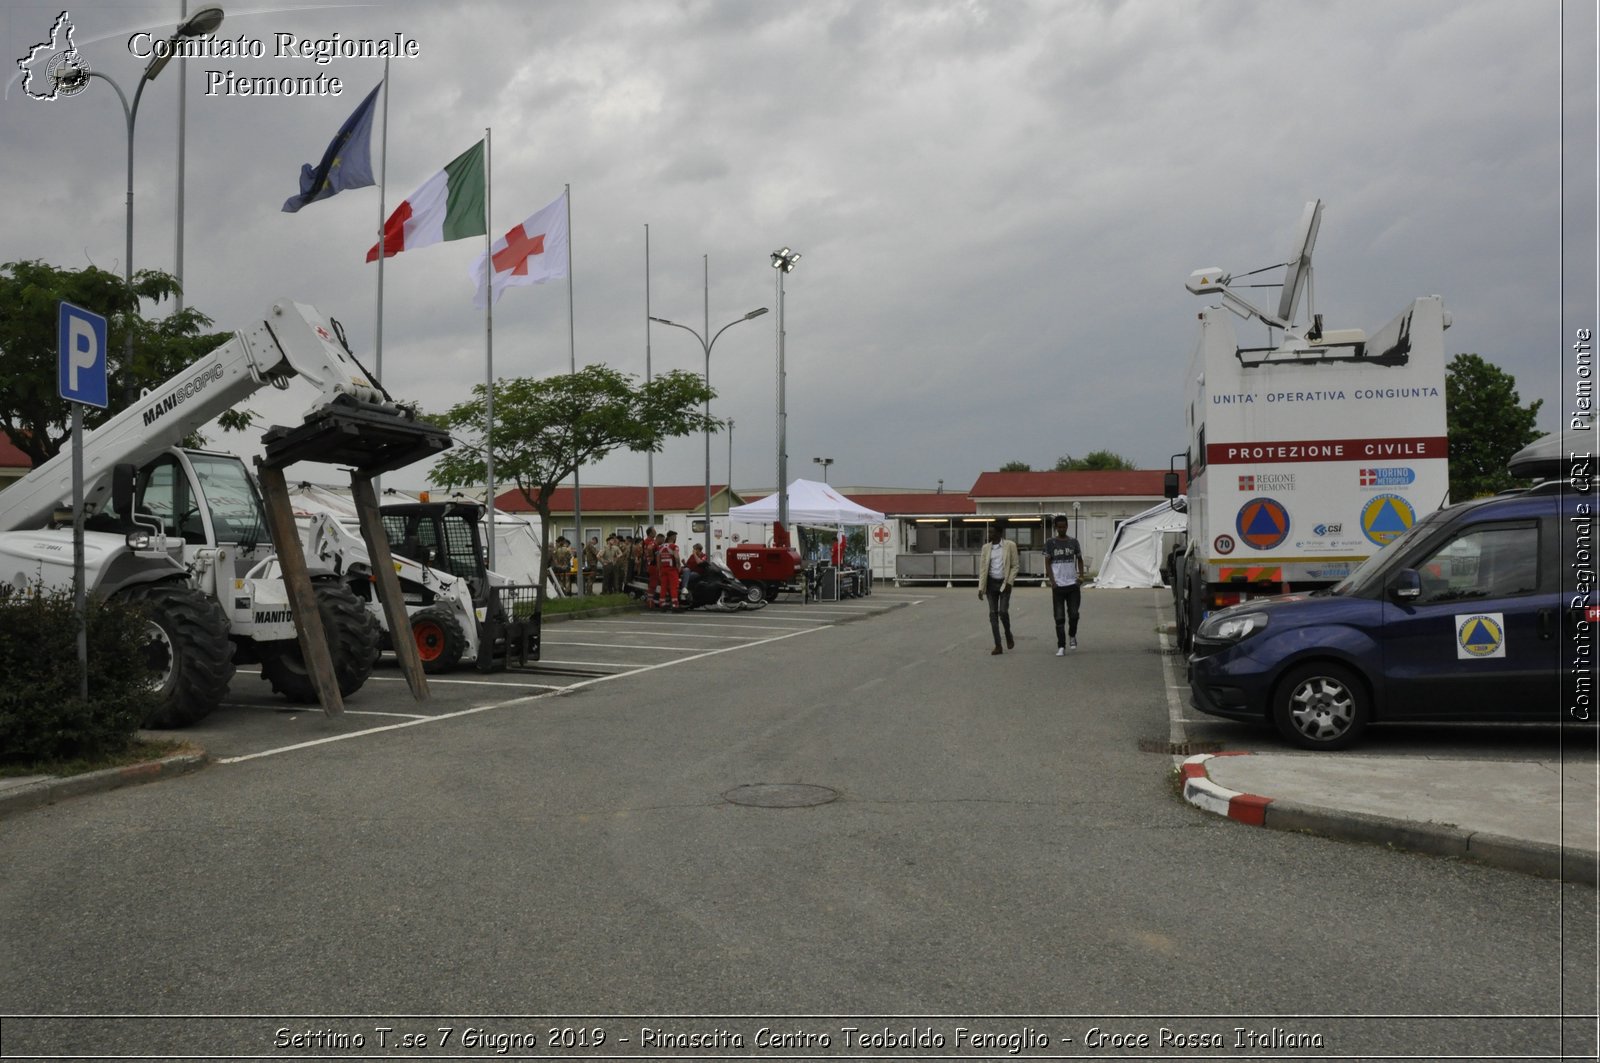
pixel 1064 568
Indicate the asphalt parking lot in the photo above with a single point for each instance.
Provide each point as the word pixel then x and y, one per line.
pixel 254 722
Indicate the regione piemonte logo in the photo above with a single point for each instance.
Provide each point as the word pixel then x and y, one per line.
pixel 41 63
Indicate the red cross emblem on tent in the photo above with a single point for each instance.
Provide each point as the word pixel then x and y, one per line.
pixel 880 535
pixel 519 246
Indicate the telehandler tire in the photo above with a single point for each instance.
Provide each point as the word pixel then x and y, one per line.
pixel 352 640
pixel 441 640
pixel 190 655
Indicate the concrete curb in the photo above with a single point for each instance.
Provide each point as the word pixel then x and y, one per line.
pixel 586 614
pixel 48 791
pixel 1515 854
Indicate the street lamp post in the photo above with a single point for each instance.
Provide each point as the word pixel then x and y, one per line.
pixel 824 462
pixel 783 260
pixel 706 346
pixel 199 24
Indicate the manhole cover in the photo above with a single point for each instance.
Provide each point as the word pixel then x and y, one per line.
pixel 780 795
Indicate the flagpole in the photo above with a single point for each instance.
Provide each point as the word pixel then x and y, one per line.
pixel 649 455
pixel 572 359
pixel 488 343
pixel 383 177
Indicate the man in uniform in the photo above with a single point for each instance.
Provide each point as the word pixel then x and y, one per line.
pixel 668 564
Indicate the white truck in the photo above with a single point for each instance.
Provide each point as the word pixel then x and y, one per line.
pixel 186 533
pixel 1307 455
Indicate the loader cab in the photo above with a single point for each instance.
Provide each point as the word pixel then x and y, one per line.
pixel 441 535
pixel 199 499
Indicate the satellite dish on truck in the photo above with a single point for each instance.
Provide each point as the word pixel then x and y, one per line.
pixel 1214 281
pixel 1298 274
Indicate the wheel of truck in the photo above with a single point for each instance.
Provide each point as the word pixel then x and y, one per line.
pixel 441 641
pixel 190 656
pixel 1321 705
pixel 755 595
pixel 770 590
pixel 352 640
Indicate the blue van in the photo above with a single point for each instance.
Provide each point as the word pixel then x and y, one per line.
pixel 1483 611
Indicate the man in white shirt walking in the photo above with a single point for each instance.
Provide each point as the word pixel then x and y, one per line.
pixel 997 571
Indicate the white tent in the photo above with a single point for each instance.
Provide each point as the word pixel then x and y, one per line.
pixel 1140 546
pixel 809 503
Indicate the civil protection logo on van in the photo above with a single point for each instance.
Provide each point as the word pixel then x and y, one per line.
pixel 1263 523
pixel 1398 476
pixel 1385 517
pixel 1480 635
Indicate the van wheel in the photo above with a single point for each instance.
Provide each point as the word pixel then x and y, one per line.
pixel 441 641
pixel 769 591
pixel 1321 706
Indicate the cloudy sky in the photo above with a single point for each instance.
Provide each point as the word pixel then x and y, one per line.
pixel 997 203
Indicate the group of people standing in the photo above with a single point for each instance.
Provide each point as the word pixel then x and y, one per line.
pixel 653 560
pixel 1064 571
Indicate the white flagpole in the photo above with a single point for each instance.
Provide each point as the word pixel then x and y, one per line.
pixel 650 455
pixel 572 358
pixel 488 342
pixel 383 176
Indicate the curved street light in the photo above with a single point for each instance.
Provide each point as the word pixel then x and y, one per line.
pixel 706 347
pixel 204 21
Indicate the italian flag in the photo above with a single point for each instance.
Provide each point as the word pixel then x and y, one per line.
pixel 448 206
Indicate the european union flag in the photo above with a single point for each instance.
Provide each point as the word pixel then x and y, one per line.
pixel 346 164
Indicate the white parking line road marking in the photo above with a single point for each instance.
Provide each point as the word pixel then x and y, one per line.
pixel 458 682
pixel 682 634
pixel 697 623
pixel 417 722
pixel 636 646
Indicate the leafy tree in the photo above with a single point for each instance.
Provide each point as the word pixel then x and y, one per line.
pixel 32 415
pixel 1487 424
pixel 1095 461
pixel 1016 466
pixel 544 429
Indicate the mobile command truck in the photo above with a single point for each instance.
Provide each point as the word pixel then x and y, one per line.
pixel 1307 456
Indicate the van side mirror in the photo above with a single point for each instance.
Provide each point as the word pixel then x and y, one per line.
pixel 1169 485
pixel 1406 585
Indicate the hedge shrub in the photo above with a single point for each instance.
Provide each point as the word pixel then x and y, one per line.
pixel 42 718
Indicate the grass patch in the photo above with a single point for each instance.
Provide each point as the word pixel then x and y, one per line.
pixel 139 751
pixel 590 601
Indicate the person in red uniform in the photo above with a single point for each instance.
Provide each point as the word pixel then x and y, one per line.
pixel 650 547
pixel 694 566
pixel 668 566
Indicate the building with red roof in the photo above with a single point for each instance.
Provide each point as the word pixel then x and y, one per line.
pixel 14 464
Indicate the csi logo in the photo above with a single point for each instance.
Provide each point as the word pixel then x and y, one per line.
pixel 1324 530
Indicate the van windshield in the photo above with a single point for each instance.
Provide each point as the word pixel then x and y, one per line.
pixel 1361 579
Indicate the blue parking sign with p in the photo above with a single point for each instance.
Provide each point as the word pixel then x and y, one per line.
pixel 81 365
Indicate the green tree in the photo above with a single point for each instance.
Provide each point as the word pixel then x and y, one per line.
pixel 32 415
pixel 1016 466
pixel 545 429
pixel 1487 424
pixel 1095 461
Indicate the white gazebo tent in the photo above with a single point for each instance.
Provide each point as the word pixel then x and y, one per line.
pixel 1139 546
pixel 809 503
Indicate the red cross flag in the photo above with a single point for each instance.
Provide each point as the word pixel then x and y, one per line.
pixel 531 253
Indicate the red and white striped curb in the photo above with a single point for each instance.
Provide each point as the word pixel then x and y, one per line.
pixel 1200 791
